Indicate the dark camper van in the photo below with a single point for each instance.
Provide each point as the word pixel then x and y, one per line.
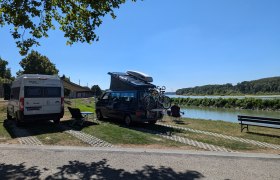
pixel 124 99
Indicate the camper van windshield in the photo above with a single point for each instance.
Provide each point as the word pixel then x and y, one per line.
pixel 34 91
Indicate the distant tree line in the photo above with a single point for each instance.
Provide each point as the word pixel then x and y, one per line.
pixel 246 103
pixel 256 87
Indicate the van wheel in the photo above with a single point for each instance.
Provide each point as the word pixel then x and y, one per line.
pixel 8 116
pixel 56 121
pixel 18 121
pixel 99 115
pixel 127 121
pixel 152 122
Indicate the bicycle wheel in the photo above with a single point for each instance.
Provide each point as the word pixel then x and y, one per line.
pixel 149 102
pixel 165 101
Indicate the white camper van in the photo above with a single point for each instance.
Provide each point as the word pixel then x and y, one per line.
pixel 36 97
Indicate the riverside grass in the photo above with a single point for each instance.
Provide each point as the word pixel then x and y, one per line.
pixel 262 134
pixel 115 135
pixel 114 132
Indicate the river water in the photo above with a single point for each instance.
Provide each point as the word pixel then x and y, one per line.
pixel 216 97
pixel 229 115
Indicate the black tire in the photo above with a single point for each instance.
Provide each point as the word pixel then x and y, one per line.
pixel 8 116
pixel 127 121
pixel 165 101
pixel 149 102
pixel 19 123
pixel 99 115
pixel 56 121
pixel 153 122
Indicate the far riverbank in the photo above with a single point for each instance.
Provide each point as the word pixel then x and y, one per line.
pixel 226 97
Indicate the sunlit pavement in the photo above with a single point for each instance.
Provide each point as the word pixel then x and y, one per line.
pixel 52 162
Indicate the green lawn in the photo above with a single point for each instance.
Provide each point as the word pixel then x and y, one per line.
pixel 4 134
pixel 84 104
pixel 262 134
pixel 117 134
pixel 51 134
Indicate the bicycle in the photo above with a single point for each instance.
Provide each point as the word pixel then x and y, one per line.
pixel 155 98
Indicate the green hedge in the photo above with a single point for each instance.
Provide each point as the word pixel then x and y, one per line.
pixel 246 103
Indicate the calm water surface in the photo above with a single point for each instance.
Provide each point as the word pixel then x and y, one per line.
pixel 229 115
pixel 216 97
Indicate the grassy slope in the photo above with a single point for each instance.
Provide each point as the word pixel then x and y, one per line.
pixel 232 129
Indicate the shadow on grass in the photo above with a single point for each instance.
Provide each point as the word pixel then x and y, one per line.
pixel 41 127
pixel 266 135
pixel 144 126
pixel 180 121
pixel 95 170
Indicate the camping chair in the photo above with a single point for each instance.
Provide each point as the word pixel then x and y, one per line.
pixel 76 116
pixel 175 113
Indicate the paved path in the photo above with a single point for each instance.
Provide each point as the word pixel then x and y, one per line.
pixel 257 143
pixel 45 162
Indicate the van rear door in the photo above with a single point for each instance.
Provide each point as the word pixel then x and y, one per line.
pixel 42 100
pixel 52 96
pixel 33 100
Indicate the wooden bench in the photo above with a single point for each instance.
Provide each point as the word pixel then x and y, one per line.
pixel 246 121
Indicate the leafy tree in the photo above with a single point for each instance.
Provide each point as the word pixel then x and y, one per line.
pixel 5 73
pixel 35 63
pixel 32 19
pixel 96 90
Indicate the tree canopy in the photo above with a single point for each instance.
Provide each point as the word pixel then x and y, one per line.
pixel 96 90
pixel 35 63
pixel 32 19
pixel 5 73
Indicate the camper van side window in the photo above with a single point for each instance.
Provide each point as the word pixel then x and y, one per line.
pixel 52 92
pixel 106 96
pixel 33 92
pixel 128 96
pixel 15 93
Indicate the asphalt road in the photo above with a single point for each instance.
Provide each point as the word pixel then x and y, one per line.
pixel 54 162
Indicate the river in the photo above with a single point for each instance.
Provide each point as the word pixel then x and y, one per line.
pixel 229 115
pixel 216 97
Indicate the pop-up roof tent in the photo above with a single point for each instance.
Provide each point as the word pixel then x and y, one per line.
pixel 131 80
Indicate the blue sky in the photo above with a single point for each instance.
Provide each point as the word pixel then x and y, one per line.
pixel 180 43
